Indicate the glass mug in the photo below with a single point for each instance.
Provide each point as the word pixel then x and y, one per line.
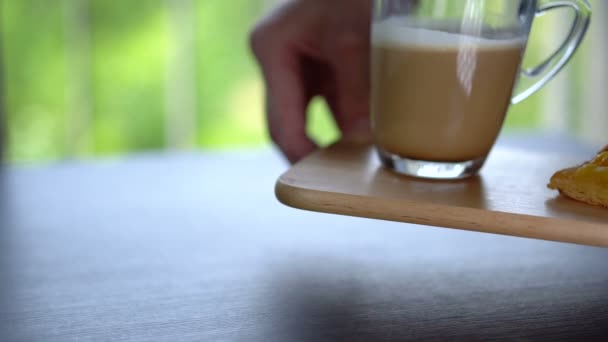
pixel 444 73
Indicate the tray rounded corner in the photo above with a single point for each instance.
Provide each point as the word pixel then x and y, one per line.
pixel 291 195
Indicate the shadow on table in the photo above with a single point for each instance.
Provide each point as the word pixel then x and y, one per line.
pixel 342 304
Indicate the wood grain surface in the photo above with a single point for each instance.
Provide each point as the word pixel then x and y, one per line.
pixel 509 197
pixel 195 247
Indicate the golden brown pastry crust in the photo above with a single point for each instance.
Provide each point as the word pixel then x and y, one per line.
pixel 586 183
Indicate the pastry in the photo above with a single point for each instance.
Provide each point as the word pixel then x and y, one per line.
pixel 586 183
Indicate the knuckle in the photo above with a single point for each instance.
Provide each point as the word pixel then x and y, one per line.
pixel 268 29
pixel 258 38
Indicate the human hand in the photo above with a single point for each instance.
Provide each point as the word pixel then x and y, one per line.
pixel 309 48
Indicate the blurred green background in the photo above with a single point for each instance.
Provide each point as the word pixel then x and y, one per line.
pixel 86 78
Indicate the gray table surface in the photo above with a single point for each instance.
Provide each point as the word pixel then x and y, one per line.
pixel 194 247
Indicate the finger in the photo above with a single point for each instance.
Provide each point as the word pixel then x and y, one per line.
pixel 286 99
pixel 352 88
pixel 349 55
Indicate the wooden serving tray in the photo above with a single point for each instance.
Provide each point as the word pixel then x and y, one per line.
pixel 509 196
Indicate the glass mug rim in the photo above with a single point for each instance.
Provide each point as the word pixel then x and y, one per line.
pixel 462 67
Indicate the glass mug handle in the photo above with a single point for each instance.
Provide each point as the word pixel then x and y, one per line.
pixel 532 79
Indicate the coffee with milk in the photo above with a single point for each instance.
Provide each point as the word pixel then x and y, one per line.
pixel 440 95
